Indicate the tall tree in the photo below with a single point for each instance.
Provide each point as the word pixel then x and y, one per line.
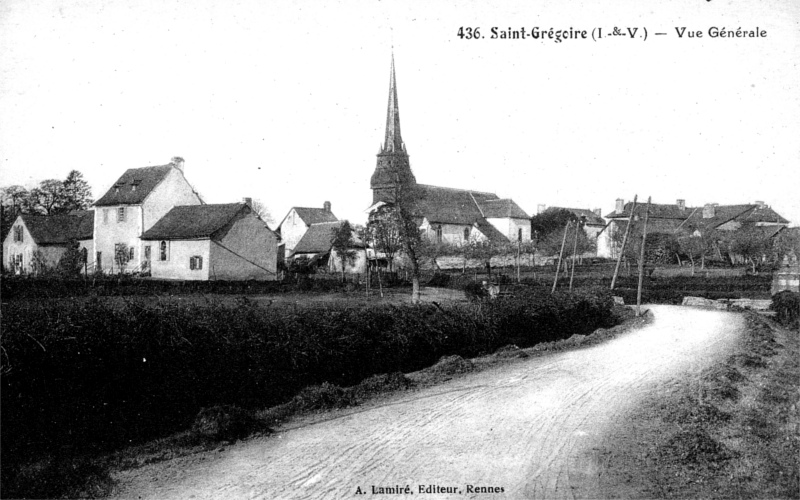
pixel 342 242
pixel 77 194
pixel 751 244
pixel 383 231
pixel 48 197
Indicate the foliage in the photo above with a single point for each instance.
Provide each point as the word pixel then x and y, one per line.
pixel 383 231
pixel 71 263
pixel 76 192
pixel 750 243
pixel 342 243
pixel 786 244
pixel 786 304
pixel 551 221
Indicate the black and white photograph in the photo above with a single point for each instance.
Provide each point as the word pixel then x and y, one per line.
pixel 399 249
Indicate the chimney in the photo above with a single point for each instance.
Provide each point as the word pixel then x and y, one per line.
pixel 598 212
pixel 541 208
pixel 248 202
pixel 327 206
pixel 761 204
pixel 709 210
pixel 620 205
pixel 177 162
pixel 681 204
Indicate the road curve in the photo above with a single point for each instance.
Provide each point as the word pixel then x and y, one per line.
pixel 525 427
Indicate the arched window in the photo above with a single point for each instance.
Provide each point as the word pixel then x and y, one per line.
pixel 162 250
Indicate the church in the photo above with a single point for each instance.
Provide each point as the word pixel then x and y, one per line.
pixel 445 215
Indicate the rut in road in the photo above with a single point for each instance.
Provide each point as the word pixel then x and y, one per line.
pixel 525 427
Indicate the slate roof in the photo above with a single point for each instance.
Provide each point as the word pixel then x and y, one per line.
pixel 591 217
pixel 193 221
pixel 60 229
pixel 314 215
pixel 449 206
pixel 134 185
pixel 657 211
pixel 502 208
pixel 491 232
pixel 317 239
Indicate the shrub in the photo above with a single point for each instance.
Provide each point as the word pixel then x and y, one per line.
pixel 786 305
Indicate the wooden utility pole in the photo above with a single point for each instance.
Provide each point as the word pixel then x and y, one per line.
pixel 641 259
pixel 519 244
pixel 560 256
pixel 624 242
pixel 574 254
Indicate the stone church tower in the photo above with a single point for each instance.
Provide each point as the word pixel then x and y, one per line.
pixel 393 168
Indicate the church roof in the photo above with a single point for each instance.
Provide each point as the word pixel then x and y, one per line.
pixel 393 142
pixel 60 229
pixel 193 221
pixel 134 185
pixel 448 205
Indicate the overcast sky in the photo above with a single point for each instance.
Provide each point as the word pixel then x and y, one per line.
pixel 286 101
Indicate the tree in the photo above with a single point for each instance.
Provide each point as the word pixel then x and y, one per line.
pixel 48 197
pixel 786 243
pixel 750 243
pixel 551 221
pixel 77 194
pixel 383 230
pixel 342 243
pixel 260 209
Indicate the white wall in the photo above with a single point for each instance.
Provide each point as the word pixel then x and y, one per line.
pixel 176 267
pixel 292 230
pixel 108 231
pixel 173 191
pixel 510 227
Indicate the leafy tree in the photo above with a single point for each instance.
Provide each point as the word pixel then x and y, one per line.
pixel 750 243
pixel 551 221
pixel 786 243
pixel 383 230
pixel 72 261
pixel 77 194
pixel 48 198
pixel 342 243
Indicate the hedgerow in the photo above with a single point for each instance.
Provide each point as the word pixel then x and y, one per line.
pixel 99 374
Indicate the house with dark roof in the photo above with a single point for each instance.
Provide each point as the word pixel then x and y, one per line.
pixel 444 214
pixel 37 242
pixel 679 218
pixel 130 207
pixel 316 245
pixel 212 242
pixel 299 219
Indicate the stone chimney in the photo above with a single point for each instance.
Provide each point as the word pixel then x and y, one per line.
pixel 620 206
pixel 177 162
pixel 761 204
pixel 709 210
pixel 248 202
pixel 540 208
pixel 598 212
pixel 327 206
pixel 681 204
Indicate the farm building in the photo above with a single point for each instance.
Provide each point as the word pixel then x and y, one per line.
pixel 136 201
pixel 444 214
pixel 295 224
pixel 36 243
pixel 211 242
pixel 317 247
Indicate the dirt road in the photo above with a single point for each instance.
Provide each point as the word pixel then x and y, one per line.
pixel 526 430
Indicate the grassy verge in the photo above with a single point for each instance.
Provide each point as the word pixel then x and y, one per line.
pixel 732 433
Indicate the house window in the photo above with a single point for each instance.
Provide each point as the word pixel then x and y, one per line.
pixel 18 234
pixel 162 251
pixel 130 253
pixel 195 263
pixel 466 234
pixel 438 234
pixel 105 216
pixel 519 234
pixel 121 214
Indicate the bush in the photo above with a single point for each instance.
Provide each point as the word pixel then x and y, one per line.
pixel 786 305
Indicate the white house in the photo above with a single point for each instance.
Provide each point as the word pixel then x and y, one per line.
pixel 139 199
pixel 37 242
pixel 295 224
pixel 212 242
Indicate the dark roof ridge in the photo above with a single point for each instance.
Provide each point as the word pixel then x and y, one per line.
pixel 473 191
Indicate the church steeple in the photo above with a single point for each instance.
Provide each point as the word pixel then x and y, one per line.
pixel 393 141
pixel 393 168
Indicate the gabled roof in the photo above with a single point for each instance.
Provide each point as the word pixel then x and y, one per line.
pixel 134 185
pixel 317 239
pixel 194 221
pixel 60 229
pixel 311 215
pixel 500 209
pixel 590 217
pixel 449 206
pixel 491 232
pixel 656 210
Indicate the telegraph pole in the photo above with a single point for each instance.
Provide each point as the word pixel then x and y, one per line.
pixel 624 242
pixel 641 259
pixel 560 256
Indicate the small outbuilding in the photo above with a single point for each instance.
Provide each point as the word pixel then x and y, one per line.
pixel 36 243
pixel 211 242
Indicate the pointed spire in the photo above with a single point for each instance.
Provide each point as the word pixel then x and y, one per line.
pixel 393 142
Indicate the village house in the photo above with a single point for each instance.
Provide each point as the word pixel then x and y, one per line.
pixel 36 243
pixel 212 242
pixel 299 219
pixel 443 214
pixel 316 245
pixel 676 218
pixel 136 201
